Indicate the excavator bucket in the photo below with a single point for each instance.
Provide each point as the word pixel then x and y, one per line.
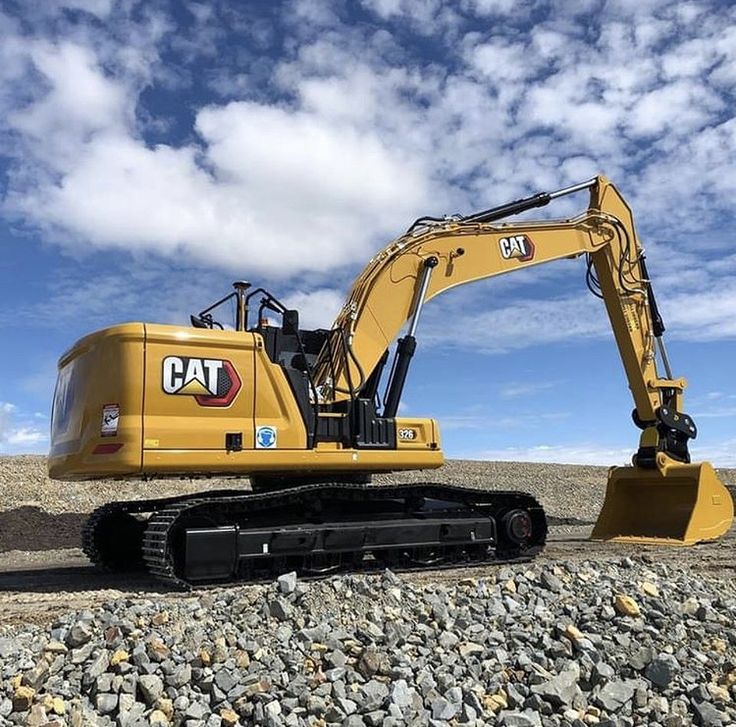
pixel 680 504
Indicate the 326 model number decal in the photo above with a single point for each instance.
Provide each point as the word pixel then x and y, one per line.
pixel 407 435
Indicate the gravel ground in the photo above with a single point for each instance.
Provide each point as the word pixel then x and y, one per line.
pixel 552 643
pixel 579 643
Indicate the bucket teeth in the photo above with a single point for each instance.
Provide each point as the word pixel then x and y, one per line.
pixel 680 504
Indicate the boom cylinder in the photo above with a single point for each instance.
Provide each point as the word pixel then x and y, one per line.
pixel 407 345
pixel 405 349
pixel 527 203
pixel 657 322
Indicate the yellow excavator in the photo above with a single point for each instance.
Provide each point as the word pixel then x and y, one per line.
pixel 299 412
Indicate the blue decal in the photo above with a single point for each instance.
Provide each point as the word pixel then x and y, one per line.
pixel 266 437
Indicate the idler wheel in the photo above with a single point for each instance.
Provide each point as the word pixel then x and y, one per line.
pixel 517 526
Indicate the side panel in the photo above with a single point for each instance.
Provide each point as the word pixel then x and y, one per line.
pixel 417 433
pixel 98 406
pixel 199 386
pixel 278 421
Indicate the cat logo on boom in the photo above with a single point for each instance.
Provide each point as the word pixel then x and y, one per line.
pixel 517 247
pixel 212 382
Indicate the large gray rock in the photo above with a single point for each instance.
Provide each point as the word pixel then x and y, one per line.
pixel 602 672
pixel 287 583
pixel 98 666
pixel 6 706
pixel 106 703
pixel 527 718
pixel 376 718
pixel 79 634
pixel 226 679
pixel 9 647
pixel 640 658
pixel 401 694
pixel 196 711
pixel 372 695
pixel 280 609
pixel 561 690
pixel 551 581
pixel 615 694
pixel 448 640
pixel 662 670
pixel 707 715
pixel 36 676
pixel 151 687
pixel 443 709
pixel 371 662
pixel 181 675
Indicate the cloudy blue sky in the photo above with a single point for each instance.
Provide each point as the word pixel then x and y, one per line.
pixel 152 152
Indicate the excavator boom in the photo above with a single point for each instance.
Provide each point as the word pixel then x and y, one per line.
pixel 462 250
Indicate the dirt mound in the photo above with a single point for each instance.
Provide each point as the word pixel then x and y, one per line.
pixel 31 528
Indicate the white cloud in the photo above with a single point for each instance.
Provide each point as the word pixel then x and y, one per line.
pixel 684 104
pixel 491 7
pixel 364 133
pixel 317 309
pixel 703 315
pixel 268 184
pixel 502 62
pixel 25 437
pixel 719 454
pixel 519 389
pixel 583 453
pixel 481 421
pixel 6 410
pixel 427 17
pixel 526 323
pixel 79 93
pixel 724 412
pixel 18 436
pixel 698 313
pixel 314 12
pixel 100 8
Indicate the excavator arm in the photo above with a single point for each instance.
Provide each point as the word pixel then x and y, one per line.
pixel 436 255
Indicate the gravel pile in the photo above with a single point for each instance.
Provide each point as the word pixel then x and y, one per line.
pixel 573 492
pixel 625 643
pixel 25 483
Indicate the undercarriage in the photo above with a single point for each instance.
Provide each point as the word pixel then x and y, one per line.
pixel 229 536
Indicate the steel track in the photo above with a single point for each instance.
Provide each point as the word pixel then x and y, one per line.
pixel 159 549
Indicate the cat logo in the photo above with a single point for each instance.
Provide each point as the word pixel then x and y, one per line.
pixel 518 247
pixel 212 382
